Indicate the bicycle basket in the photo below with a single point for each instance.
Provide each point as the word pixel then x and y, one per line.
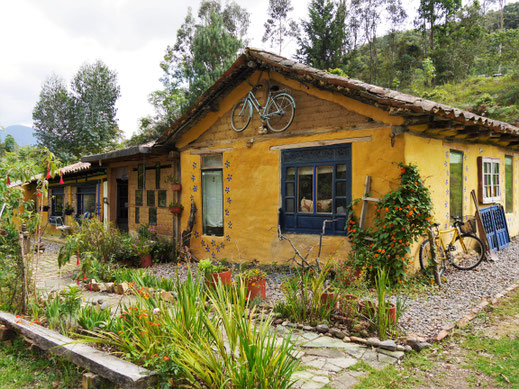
pixel 469 227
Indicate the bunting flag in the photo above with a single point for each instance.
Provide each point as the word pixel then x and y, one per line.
pixel 61 177
pixel 8 180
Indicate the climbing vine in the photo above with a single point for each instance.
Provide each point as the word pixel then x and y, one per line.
pixel 401 217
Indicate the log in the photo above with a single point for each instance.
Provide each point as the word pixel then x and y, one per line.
pixel 118 371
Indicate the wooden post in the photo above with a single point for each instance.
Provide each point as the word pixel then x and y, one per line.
pixel 434 257
pixel 365 199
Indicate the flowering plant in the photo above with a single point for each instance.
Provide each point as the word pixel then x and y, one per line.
pixel 206 266
pixel 253 274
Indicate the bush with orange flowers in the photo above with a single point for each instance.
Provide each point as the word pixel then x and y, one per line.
pixel 401 217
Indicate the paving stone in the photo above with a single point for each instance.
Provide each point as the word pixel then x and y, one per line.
pixel 344 381
pixel 320 379
pixel 394 354
pixel 312 361
pixel 312 385
pixel 326 352
pixel 388 345
pixel 310 335
pixel 332 343
pixel 343 363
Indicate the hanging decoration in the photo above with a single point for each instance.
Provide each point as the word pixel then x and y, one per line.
pixel 61 178
pixel 48 176
pixel 8 180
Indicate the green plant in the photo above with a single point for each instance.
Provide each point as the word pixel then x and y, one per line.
pixel 401 217
pixel 382 317
pixel 91 318
pixel 304 302
pixel 206 266
pixel 253 273
pixel 175 204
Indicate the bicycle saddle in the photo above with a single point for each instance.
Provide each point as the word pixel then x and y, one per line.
pixel 436 224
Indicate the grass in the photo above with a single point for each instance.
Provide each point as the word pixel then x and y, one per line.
pixel 470 357
pixel 22 368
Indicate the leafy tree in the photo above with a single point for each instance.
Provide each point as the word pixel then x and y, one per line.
pixel 432 11
pixel 80 121
pixel 323 41
pixel 279 26
pixel 205 48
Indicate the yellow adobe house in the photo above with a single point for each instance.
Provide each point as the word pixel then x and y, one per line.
pixel 79 191
pixel 245 184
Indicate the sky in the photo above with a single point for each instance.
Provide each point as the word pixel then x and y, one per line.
pixel 43 37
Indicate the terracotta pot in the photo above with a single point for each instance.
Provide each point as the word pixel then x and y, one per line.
pixel 146 261
pixel 368 307
pixel 350 275
pixel 392 311
pixel 177 187
pixel 348 305
pixel 329 298
pixel 176 210
pixel 212 279
pixel 256 287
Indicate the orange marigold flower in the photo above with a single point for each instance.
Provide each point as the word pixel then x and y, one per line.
pixel 402 170
pixel 383 251
pixel 165 358
pixel 371 267
pixel 376 255
pixel 387 209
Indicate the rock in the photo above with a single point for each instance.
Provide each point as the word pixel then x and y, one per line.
pixel 121 288
pixel 357 340
pixel 364 333
pixel 109 287
pixel 322 328
pixel 300 326
pixel 95 287
pixel 278 321
pixel 292 325
pixel 308 328
pixel 328 335
pixel 419 346
pixel 394 354
pixel 400 348
pixel 285 323
pixel 408 348
pixel 103 306
pixel 100 301
pixel 167 297
pixel 337 333
pixel 375 342
pixel 346 339
pixel 388 345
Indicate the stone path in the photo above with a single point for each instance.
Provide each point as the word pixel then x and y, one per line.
pixel 325 360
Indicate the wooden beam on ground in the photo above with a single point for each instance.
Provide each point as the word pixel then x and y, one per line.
pixel 118 371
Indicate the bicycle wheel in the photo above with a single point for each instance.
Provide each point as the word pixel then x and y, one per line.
pixel 241 115
pixel 469 257
pixel 426 259
pixel 280 112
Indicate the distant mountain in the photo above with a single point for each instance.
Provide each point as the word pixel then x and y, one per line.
pixel 23 135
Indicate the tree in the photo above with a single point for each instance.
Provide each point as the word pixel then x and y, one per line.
pixel 205 48
pixel 80 121
pixel 431 11
pixel 323 42
pixel 279 26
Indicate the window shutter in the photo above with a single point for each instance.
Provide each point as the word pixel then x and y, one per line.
pixel 480 180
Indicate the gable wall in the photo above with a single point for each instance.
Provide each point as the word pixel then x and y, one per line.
pixel 252 174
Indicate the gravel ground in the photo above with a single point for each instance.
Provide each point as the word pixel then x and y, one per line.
pixel 426 314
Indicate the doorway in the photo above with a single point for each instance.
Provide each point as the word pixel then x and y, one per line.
pixel 122 204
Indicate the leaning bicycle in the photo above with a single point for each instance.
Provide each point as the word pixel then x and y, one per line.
pixel 277 114
pixel 464 251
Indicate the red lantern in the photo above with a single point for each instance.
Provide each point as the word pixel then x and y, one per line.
pixel 48 174
pixel 8 180
pixel 61 177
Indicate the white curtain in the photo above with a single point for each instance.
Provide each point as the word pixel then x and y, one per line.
pixel 212 198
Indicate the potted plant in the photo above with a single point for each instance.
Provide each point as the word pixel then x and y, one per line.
pixel 349 271
pixel 176 208
pixel 254 280
pixel 46 208
pixel 330 297
pixel 176 185
pixel 214 272
pixel 144 247
pixel 69 210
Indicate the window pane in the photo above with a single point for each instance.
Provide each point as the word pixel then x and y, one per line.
pixel 306 195
pixel 291 174
pixel 152 212
pixel 324 189
pixel 341 172
pixel 340 206
pixel 162 198
pixel 137 215
pixel 209 161
pixel 496 167
pixel 141 173
pixel 212 202
pixel 89 203
pixel 509 184
pixel 290 189
pixel 289 205
pixel 487 167
pixel 150 198
pixel 138 197
pixel 340 189
pixel 456 183
pixel 57 204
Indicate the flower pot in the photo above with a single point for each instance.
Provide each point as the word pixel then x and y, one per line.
pixel 46 208
pixel 145 261
pixel 368 308
pixel 349 275
pixel 69 212
pixel 177 187
pixel 175 210
pixel 329 299
pixel 212 279
pixel 348 305
pixel 256 288
pixel 391 311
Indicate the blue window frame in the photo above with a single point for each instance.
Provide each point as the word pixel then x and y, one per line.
pixel 315 186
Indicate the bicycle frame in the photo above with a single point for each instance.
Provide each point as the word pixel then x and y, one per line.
pixel 251 97
pixel 440 242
